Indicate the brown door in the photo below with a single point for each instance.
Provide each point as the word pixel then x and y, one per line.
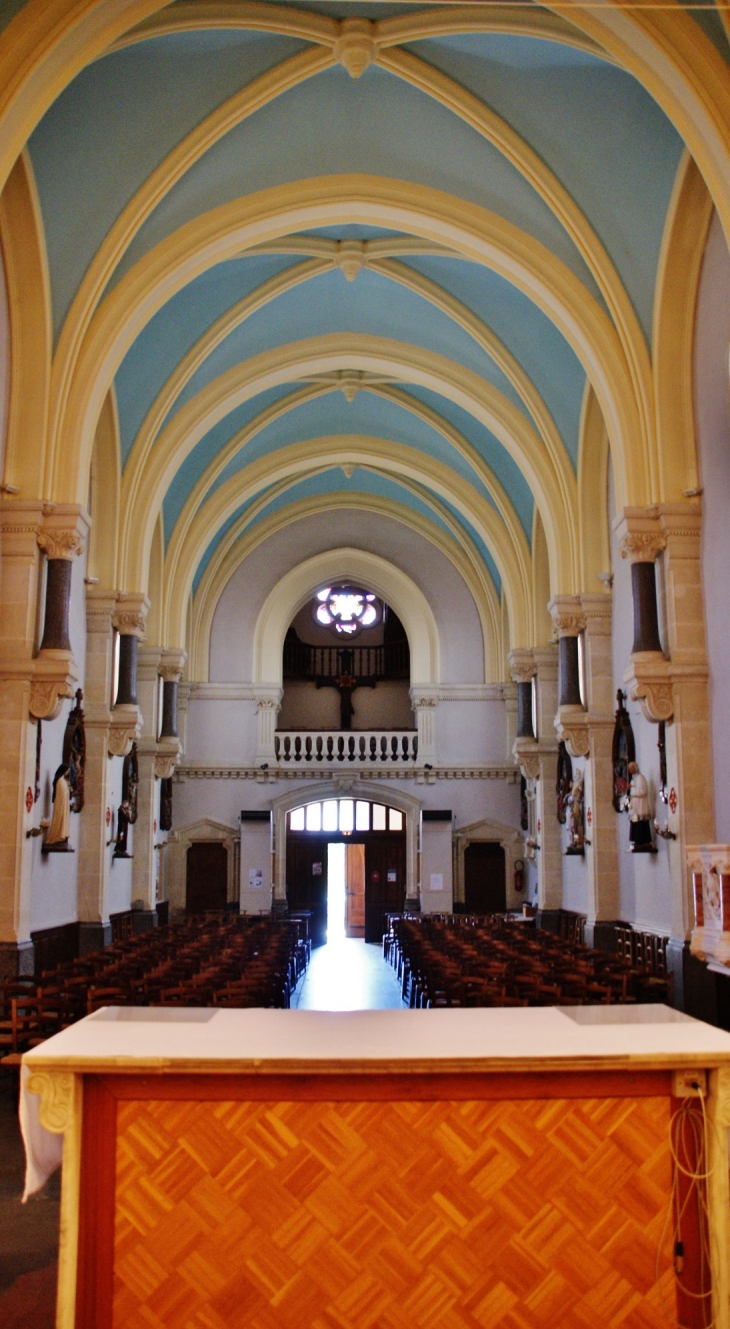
pixel 206 885
pixel 385 880
pixel 306 881
pixel 484 878
pixel 355 886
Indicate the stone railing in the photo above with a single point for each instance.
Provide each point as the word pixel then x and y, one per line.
pixel 709 865
pixel 364 747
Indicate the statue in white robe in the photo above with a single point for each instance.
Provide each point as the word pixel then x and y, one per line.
pixel 58 831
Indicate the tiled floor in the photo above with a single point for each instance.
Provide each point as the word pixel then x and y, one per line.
pixel 348 976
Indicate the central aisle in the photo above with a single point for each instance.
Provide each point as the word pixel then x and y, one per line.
pixel 348 975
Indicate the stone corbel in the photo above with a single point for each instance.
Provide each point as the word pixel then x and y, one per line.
pixel 167 757
pixel 55 678
pixel 647 678
pixel 571 724
pixel 125 727
pixel 526 752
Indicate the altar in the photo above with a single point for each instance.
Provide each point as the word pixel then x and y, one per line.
pixel 441 1169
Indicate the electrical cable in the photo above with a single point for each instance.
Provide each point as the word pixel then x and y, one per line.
pixel 688 1134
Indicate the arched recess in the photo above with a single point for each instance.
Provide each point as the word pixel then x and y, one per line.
pixel 343 787
pixel 236 547
pixel 300 460
pixel 358 565
pixel 592 495
pixel 29 307
pixel 471 231
pixel 680 264
pixel 103 506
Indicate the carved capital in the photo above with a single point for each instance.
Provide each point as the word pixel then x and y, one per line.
pixel 648 682
pixel 356 47
pixel 642 546
pixel 172 664
pixel 124 729
pixel 56 1091
pixel 59 543
pixel 567 614
pixel 572 729
pixel 130 614
pixel 523 666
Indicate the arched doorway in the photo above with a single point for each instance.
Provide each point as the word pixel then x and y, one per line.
pixel 373 873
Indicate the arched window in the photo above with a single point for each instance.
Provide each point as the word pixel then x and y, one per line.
pixel 343 816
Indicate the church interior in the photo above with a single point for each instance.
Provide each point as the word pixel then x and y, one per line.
pixel 364 549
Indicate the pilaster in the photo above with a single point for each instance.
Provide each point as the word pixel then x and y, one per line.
pixel 646 676
pixel 601 851
pixel 568 618
pixel 424 703
pixel 94 854
pixel 268 702
pixel 144 868
pixel 130 615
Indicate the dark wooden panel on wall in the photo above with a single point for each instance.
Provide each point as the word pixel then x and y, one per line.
pixel 122 925
pixel 305 887
pixel 163 913
pixel 484 878
pixel 54 946
pixel 206 885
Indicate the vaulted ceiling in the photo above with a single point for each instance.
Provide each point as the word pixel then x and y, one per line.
pixel 381 352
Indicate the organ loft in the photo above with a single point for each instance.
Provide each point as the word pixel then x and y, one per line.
pixel 365 819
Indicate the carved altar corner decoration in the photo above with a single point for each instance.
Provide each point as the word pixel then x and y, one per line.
pixel 623 752
pixel 74 752
pixel 125 728
pixel 571 724
pixel 56 1091
pixel 648 681
pixel 709 867
pixel 563 783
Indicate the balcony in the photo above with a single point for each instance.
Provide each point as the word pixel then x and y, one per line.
pixel 366 747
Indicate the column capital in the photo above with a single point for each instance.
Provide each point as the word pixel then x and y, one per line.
pixel 522 664
pixel 172 663
pixel 639 534
pixel 130 614
pixel 424 698
pixel 567 614
pixel 100 603
pixel 63 529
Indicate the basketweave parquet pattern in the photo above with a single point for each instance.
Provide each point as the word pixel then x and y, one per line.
pixel 465 1215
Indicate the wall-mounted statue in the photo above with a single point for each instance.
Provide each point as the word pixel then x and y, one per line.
pixel 166 805
pixel 74 752
pixel 127 811
pixel 576 803
pixel 623 753
pixel 640 835
pixel 563 783
pixel 56 841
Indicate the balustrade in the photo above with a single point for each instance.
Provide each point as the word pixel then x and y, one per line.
pixel 334 747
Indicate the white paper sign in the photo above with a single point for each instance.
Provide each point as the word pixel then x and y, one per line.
pixel 255 879
pixel 437 881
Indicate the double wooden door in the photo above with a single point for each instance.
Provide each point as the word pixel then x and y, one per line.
pixel 376 880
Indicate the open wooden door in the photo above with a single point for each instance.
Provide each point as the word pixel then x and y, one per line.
pixel 306 881
pixel 355 887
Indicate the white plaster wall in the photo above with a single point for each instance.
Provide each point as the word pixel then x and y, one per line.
pixel 220 732
pixel 462 650
pixel 436 861
pixel 255 855
pixel 712 337
pixel 53 878
pixel 470 733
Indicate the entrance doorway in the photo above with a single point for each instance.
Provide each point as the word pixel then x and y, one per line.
pixel 348 893
pixel 484 878
pixel 206 877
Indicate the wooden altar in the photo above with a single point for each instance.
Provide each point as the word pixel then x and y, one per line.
pixel 456 1169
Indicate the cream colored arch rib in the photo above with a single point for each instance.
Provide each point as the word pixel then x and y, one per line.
pixel 382 576
pixel 300 460
pixel 146 480
pixel 239 543
pixel 231 229
pixel 179 543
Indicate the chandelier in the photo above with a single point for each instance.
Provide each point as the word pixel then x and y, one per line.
pixel 345 610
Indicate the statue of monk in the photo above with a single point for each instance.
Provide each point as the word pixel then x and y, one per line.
pixel 58 831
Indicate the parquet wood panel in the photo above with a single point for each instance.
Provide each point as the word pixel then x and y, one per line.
pixel 425 1215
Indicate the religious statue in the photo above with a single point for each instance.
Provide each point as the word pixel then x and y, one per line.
pixel 56 840
pixel 577 824
pixel 127 811
pixel 639 824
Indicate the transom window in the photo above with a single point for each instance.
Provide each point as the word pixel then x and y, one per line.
pixel 345 610
pixel 345 815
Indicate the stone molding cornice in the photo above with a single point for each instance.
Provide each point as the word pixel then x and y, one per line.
pixel 100 606
pixel 499 772
pixel 598 612
pixel 443 692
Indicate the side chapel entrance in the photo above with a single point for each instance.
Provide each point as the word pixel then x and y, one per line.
pixel 375 863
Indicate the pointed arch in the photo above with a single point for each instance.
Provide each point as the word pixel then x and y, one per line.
pixel 104 496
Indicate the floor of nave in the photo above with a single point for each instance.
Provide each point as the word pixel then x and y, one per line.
pixel 348 975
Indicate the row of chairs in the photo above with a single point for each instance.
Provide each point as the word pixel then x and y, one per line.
pixel 200 960
pixel 460 960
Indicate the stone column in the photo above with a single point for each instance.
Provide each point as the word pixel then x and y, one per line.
pixel 570 720
pixel 126 722
pixel 144 868
pixel 169 747
pixel 601 854
pixel 94 853
pixel 55 675
pixel 550 855
pixel 647 672
pixel 20 523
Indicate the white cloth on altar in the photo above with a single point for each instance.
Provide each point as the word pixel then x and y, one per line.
pixel 43 1149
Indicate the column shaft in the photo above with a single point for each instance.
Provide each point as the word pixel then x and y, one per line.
pixel 646 615
pixel 524 710
pixel 169 709
pixel 569 672
pixel 127 685
pixel 58 601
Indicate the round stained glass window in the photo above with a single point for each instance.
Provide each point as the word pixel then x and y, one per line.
pixel 346 610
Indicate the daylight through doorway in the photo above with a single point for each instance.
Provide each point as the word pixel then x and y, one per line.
pixel 336 888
